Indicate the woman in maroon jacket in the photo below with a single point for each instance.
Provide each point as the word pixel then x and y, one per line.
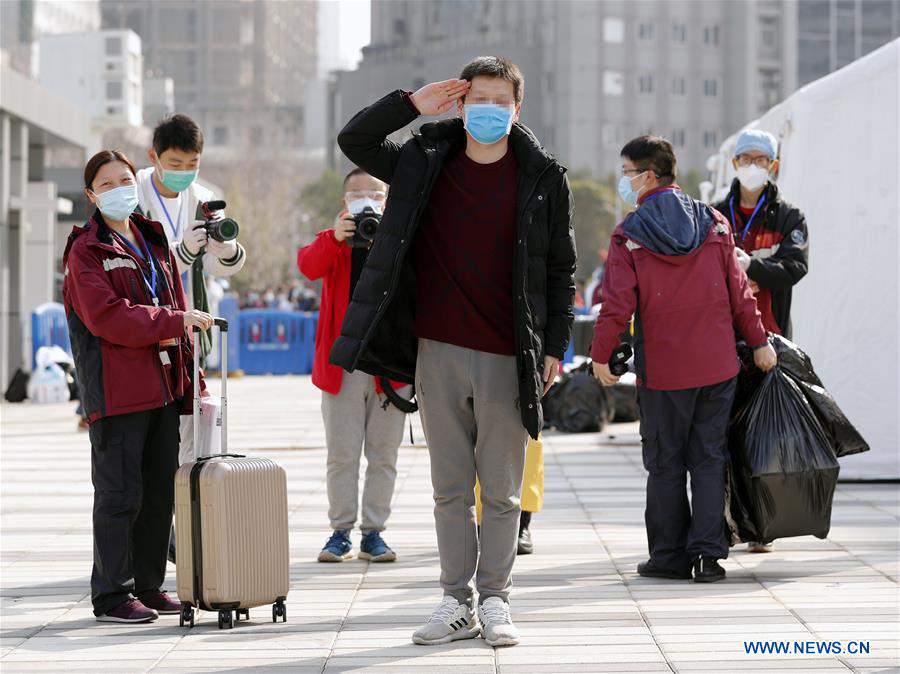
pixel 673 267
pixel 127 322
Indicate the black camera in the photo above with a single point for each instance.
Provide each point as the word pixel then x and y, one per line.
pixel 367 221
pixel 224 229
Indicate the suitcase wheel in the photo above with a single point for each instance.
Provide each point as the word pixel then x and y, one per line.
pixel 225 619
pixel 279 610
pixel 187 615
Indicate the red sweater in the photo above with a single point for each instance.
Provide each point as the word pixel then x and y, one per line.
pixel 328 259
pixel 687 307
pixel 464 256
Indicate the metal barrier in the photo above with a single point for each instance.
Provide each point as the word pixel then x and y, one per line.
pixel 49 327
pixel 276 342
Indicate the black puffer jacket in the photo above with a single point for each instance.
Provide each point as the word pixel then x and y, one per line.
pixel 779 268
pixel 378 335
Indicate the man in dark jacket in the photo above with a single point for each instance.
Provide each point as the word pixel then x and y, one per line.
pixel 673 267
pixel 770 234
pixel 467 292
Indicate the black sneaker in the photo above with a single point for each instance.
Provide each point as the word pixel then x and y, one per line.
pixel 707 570
pixel 650 570
pixel 525 545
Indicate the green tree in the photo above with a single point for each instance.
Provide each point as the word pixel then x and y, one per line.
pixel 594 219
pixel 319 201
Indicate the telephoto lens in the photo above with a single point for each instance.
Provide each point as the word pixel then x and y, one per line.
pixel 222 230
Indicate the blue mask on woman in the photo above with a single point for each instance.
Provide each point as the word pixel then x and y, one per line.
pixel 488 122
pixel 117 204
pixel 626 191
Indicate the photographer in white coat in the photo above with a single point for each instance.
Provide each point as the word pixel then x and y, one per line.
pixel 168 192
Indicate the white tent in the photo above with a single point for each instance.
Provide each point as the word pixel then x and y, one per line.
pixel 840 164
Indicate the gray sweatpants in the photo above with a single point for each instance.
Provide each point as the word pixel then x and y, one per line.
pixel 467 401
pixel 355 422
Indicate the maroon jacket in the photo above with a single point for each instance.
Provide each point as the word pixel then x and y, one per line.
pixel 672 265
pixel 114 328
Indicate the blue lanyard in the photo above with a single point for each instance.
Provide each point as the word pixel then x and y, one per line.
pixel 176 231
pixel 759 204
pixel 146 257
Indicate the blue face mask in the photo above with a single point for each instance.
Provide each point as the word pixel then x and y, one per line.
pixel 626 191
pixel 178 181
pixel 117 204
pixel 488 122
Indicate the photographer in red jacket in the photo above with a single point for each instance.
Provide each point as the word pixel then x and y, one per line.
pixel 354 406
pixel 127 322
pixel 672 265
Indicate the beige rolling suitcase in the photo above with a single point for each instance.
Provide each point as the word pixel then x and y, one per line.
pixel 231 527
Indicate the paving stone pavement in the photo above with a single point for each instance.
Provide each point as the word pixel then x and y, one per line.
pixel 578 601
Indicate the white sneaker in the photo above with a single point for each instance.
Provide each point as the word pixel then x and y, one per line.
pixel 496 626
pixel 449 621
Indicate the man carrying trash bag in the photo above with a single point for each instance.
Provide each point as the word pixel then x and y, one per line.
pixel 672 264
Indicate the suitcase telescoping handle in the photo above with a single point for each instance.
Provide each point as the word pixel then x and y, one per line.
pixel 222 324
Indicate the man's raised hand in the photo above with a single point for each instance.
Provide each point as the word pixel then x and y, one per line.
pixel 438 97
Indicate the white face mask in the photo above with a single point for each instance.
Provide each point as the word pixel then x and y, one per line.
pixel 358 205
pixel 752 177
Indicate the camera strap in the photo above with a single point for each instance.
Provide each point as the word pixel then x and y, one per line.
pixel 395 399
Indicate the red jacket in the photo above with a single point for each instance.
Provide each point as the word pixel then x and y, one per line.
pixel 672 265
pixel 114 327
pixel 329 259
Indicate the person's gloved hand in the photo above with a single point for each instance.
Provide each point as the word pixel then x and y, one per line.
pixel 742 258
pixel 195 237
pixel 223 250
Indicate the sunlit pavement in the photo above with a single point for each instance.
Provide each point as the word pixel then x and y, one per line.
pixel 578 601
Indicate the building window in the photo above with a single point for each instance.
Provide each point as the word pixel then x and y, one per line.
pixel 114 91
pixel 679 32
pixel 646 30
pixel 679 85
pixel 710 139
pixel 645 84
pixel 678 137
pixel 768 33
pixel 220 135
pixel 711 88
pixel 711 36
pixel 256 135
pixel 613 30
pixel 613 83
pixel 113 46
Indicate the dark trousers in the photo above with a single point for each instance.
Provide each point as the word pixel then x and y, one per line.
pixel 685 431
pixel 133 462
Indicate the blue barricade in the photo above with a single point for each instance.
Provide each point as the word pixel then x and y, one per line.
pixel 276 342
pixel 229 310
pixel 49 328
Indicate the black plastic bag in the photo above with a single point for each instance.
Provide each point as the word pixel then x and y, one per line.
pixel 783 469
pixel 577 403
pixel 623 399
pixel 18 387
pixel 845 439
